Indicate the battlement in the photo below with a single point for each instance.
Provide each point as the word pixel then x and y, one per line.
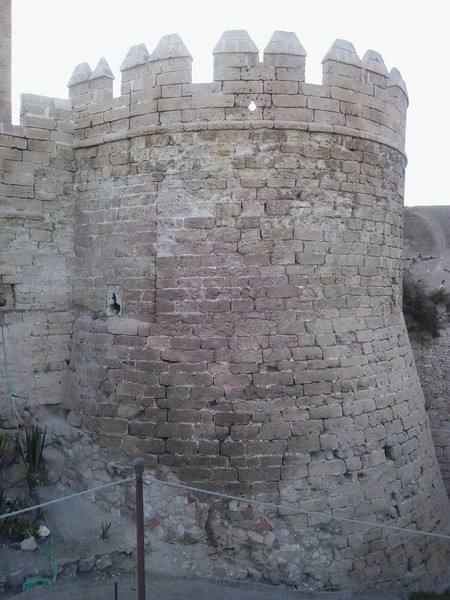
pixel 357 97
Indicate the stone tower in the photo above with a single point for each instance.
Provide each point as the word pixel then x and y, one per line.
pixel 219 265
pixel 5 61
pixel 238 249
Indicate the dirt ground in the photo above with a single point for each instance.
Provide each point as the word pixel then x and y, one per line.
pixel 89 567
pixel 108 565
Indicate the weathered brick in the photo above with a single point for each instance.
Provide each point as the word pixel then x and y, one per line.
pixel 182 431
pixel 237 319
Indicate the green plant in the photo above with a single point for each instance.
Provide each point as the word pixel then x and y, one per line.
pixel 5 458
pixel 6 507
pixel 4 443
pixel 430 595
pixel 28 529
pixel 31 449
pixel 18 526
pixel 105 528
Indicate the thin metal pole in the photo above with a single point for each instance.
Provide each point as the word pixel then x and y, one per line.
pixel 138 464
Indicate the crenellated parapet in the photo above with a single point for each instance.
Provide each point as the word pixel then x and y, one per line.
pixel 357 97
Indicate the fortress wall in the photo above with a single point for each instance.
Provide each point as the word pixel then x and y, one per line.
pixel 36 170
pixel 427 258
pixel 259 347
pixel 236 279
pixel 275 362
pixel 358 97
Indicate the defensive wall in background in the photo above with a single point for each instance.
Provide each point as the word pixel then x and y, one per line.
pixel 218 289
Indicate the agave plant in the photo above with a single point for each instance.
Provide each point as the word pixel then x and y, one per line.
pixel 31 449
pixel 4 441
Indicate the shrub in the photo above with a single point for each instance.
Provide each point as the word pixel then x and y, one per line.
pixel 31 449
pixel 430 596
pixel 19 526
pixel 440 296
pixel 420 308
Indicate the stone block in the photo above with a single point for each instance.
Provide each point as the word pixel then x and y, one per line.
pixel 266 475
pixel 142 429
pixel 294 472
pixel 183 447
pixel 244 432
pixel 275 431
pixel 330 467
pixel 305 443
pixel 181 431
pixel 114 425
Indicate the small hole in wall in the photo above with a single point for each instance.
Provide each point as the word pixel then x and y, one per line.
pixel 114 304
pixel 252 106
pixel 114 308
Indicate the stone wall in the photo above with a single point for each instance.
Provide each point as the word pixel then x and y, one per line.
pixel 427 258
pixel 36 258
pixel 219 264
pixel 239 273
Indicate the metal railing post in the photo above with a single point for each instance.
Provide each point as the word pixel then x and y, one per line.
pixel 138 464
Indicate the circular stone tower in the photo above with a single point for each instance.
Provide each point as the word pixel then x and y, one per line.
pixel 238 256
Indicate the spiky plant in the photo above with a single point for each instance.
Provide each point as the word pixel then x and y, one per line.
pixel 105 528
pixel 31 449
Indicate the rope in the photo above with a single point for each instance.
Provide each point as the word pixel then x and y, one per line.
pixel 68 497
pixel 30 582
pixel 300 511
pixel 272 505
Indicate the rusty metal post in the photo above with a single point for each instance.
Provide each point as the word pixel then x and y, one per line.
pixel 138 464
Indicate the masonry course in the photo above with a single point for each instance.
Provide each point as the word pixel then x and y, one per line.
pixel 218 289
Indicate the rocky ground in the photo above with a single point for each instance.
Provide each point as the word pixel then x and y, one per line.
pixel 89 567
pixel 84 561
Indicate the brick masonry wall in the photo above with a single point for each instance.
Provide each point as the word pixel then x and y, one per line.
pixel 255 342
pixel 36 254
pixel 357 96
pixel 427 257
pixel 230 280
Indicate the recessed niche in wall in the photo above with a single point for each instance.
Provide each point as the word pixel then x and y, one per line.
pixel 114 302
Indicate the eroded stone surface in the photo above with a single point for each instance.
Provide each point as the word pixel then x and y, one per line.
pixel 427 258
pixel 218 290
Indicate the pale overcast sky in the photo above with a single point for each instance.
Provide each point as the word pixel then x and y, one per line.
pixel 52 36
